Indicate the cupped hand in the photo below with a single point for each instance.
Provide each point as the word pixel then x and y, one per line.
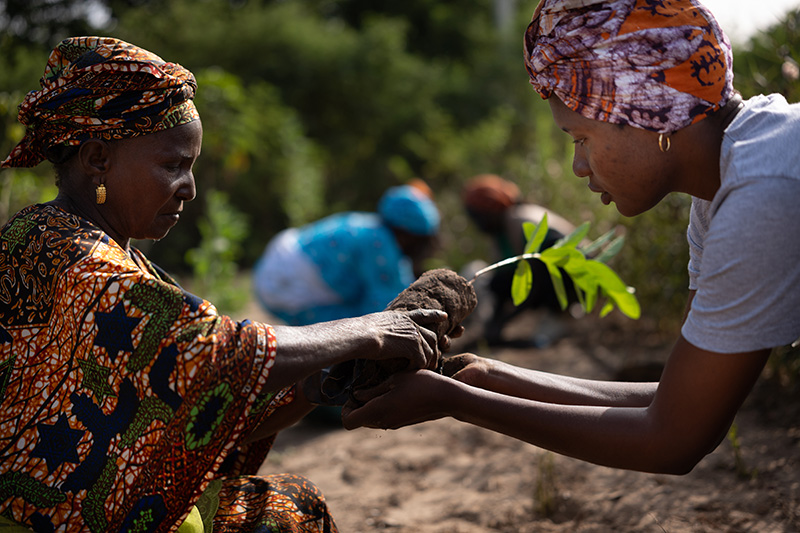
pixel 468 368
pixel 404 399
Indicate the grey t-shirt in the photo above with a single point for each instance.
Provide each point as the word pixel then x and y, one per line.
pixel 744 245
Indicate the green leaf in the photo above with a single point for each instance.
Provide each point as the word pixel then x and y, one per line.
pixel 574 238
pixel 592 279
pixel 522 282
pixel 591 299
pixel 535 235
pixel 611 250
pixel 596 244
pixel 581 297
pixel 606 278
pixel 558 285
pixel 567 258
pixel 584 282
pixel 626 302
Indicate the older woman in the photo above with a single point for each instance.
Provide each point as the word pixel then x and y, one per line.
pixel 126 401
pixel 645 90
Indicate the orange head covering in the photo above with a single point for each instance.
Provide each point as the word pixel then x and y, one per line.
pixel 658 65
pixel 490 194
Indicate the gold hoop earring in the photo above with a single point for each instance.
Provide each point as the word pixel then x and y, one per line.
pixel 101 194
pixel 661 145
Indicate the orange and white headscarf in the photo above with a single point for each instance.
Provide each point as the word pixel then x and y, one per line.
pixel 658 65
pixel 101 87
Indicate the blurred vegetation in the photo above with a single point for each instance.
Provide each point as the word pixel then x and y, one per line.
pixel 316 106
pixel 214 268
pixel 771 61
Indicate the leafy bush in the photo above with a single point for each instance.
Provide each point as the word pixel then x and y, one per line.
pixel 771 61
pixel 214 269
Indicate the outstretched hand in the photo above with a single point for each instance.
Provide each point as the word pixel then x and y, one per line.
pixel 403 399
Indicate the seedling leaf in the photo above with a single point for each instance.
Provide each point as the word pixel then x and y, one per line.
pixel 626 302
pixel 521 283
pixel 591 278
pixel 598 243
pixel 535 235
pixel 606 278
pixel 611 250
pixel 574 238
pixel 558 285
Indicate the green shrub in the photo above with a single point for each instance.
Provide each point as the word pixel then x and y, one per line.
pixel 214 269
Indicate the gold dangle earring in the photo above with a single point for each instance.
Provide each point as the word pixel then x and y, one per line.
pixel 101 194
pixel 664 147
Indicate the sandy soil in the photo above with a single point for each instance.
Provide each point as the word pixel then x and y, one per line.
pixel 445 476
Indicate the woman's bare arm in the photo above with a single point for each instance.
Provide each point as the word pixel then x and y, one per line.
pixel 304 350
pixel 693 405
pixel 497 376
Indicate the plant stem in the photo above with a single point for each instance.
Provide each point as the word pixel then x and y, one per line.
pixel 503 263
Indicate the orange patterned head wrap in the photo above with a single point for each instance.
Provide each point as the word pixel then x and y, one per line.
pixel 100 87
pixel 658 65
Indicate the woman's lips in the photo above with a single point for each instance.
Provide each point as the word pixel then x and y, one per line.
pixel 173 217
pixel 604 196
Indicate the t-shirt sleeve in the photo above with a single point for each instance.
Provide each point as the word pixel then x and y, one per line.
pixel 745 271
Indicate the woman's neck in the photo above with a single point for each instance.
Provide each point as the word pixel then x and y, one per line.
pixel 731 109
pixel 65 202
pixel 702 150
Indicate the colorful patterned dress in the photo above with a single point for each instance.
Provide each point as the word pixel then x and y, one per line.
pixel 123 397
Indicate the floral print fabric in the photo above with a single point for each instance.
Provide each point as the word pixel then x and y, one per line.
pixel 659 65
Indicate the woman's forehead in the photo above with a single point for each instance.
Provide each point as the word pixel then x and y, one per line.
pixel 566 118
pixel 172 140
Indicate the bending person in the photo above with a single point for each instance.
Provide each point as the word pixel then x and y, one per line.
pixel 497 208
pixel 347 264
pixel 646 92
pixel 127 403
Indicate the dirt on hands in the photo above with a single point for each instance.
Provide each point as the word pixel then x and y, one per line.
pixel 441 289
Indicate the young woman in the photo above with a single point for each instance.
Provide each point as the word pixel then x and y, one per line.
pixel 645 89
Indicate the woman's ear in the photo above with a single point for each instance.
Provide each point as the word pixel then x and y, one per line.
pixel 94 158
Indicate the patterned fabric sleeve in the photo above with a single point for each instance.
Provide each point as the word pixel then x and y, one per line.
pixel 123 394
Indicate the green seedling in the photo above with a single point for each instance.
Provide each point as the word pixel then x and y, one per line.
pixel 545 494
pixel 586 266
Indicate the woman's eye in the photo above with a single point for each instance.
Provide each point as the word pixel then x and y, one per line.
pixel 578 141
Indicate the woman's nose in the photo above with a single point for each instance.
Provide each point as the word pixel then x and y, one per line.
pixel 188 189
pixel 580 165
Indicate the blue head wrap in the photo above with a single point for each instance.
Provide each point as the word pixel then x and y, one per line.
pixel 408 208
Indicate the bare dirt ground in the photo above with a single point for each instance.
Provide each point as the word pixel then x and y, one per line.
pixel 445 476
